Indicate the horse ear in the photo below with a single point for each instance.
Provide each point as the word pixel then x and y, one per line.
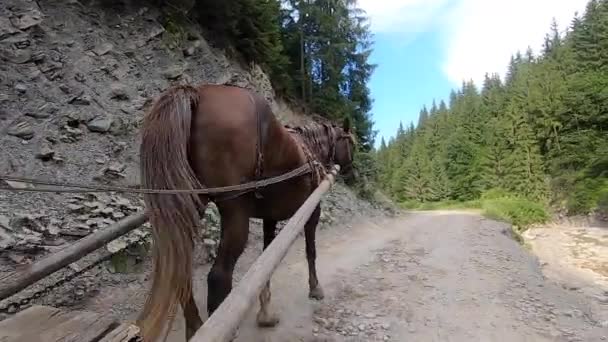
pixel 346 124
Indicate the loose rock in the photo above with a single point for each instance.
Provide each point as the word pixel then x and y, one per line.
pixel 45 154
pixel 103 49
pixel 100 124
pixel 26 20
pixel 21 88
pixel 21 129
pixel 174 72
pixel 119 92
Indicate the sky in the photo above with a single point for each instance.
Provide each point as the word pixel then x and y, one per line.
pixel 425 48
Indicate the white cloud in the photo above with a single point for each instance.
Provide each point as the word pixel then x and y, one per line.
pixel 401 16
pixel 481 35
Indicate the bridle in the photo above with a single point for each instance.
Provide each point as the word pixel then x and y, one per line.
pixel 343 135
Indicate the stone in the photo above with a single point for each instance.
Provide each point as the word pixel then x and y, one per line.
pixel 27 222
pixel 173 72
pixel 6 239
pixel 6 28
pixel 122 202
pixel 21 88
pixel 17 57
pixel 118 127
pixel 113 170
pixel 75 208
pixel 119 91
pixel 189 51
pixel 5 222
pixel 77 230
pixel 53 229
pixel 46 153
pixel 100 124
pixel 79 77
pixel 38 57
pixel 156 31
pixel 107 211
pixel 21 129
pixel 65 88
pixel 17 258
pixel 103 49
pixel 116 167
pixel 117 215
pixel 94 222
pixel 92 205
pixel 23 21
pixel 81 100
pixel 42 112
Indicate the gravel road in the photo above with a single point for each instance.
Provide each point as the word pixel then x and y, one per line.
pixel 440 276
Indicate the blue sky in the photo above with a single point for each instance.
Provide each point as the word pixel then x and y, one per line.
pixel 425 48
pixel 407 77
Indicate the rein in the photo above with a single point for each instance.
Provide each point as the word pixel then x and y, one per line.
pixel 80 188
pixel 308 140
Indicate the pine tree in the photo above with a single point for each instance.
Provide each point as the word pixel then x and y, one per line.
pixel 417 180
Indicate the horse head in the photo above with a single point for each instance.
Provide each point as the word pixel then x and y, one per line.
pixel 344 153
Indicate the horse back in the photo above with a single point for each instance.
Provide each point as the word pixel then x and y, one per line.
pixel 230 125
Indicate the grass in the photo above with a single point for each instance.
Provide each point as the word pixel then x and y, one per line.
pixel 445 205
pixel 521 213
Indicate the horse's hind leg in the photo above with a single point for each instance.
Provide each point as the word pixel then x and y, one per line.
pixel 192 317
pixel 266 317
pixel 234 233
pixel 316 292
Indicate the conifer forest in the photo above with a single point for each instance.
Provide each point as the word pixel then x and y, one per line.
pixel 541 133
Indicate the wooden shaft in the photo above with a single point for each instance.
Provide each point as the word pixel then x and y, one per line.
pixel 227 317
pixel 16 281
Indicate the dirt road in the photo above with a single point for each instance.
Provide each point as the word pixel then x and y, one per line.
pixel 424 277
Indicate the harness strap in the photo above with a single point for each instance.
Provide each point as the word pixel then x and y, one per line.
pixel 259 155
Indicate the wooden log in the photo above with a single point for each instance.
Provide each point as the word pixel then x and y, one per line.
pixel 222 324
pixel 16 281
pixel 125 332
pixel 47 324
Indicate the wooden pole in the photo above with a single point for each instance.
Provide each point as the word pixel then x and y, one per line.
pixel 16 281
pixel 226 319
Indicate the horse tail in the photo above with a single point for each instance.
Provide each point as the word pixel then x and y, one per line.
pixel 174 217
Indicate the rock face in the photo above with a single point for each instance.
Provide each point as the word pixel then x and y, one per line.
pixel 76 81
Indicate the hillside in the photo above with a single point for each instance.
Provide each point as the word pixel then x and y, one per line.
pixel 76 81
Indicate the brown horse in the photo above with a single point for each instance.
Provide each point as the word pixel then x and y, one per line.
pixel 215 135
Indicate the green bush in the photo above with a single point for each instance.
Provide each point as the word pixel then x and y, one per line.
pixel 602 201
pixel 497 204
pixel 495 194
pixel 446 205
pixel 410 204
pixel 517 211
pixel 585 196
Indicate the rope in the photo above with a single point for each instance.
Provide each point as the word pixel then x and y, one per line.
pixel 80 188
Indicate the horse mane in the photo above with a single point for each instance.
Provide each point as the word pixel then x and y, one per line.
pixel 319 138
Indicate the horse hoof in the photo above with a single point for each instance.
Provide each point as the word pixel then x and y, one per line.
pixel 316 293
pixel 267 320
